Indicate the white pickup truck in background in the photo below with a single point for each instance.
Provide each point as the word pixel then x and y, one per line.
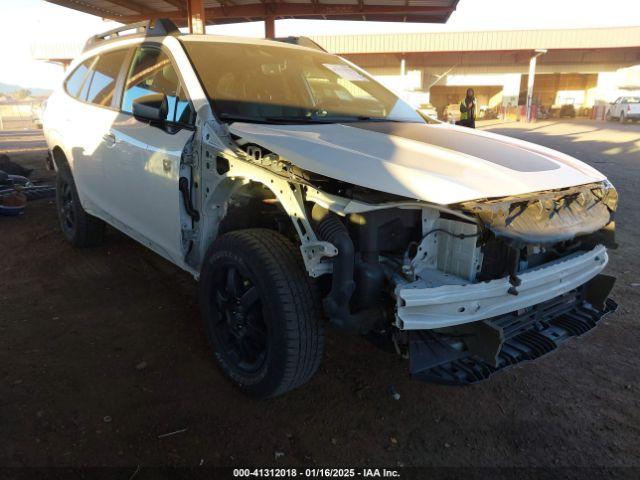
pixel 625 108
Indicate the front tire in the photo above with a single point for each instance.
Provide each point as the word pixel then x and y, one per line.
pixel 79 228
pixel 261 315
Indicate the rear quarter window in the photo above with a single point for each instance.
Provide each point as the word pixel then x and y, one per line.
pixel 105 76
pixel 74 82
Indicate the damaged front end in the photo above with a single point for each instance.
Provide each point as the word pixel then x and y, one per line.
pixel 537 282
pixel 463 290
pixel 472 352
pixel 469 289
pixel 550 217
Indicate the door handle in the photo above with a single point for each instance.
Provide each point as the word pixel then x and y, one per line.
pixel 109 139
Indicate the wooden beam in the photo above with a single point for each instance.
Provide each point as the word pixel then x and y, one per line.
pixel 227 3
pixel 179 4
pixel 258 10
pixel 132 5
pixel 270 26
pixel 196 16
pixel 88 8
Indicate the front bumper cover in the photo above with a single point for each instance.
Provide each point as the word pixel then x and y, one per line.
pixel 420 307
pixel 521 336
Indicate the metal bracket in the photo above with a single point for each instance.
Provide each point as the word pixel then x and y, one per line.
pixel 428 247
pixel 216 136
pixel 313 253
pixel 291 198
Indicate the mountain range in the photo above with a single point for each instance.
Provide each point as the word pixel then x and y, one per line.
pixel 8 88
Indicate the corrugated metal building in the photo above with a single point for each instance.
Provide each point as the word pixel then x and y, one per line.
pixel 569 39
pixel 581 66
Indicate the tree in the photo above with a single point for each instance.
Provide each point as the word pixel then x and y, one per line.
pixel 22 94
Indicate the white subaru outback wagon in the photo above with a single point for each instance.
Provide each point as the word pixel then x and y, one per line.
pixel 300 192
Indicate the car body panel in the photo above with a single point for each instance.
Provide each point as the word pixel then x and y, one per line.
pixel 432 169
pixel 422 307
pixel 132 182
pixel 80 127
pixel 143 171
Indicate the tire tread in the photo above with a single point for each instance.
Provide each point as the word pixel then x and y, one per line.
pixel 292 287
pixel 89 230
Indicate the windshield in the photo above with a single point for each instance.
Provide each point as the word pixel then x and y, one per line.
pixel 265 83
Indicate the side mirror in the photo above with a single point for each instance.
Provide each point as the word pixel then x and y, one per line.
pixel 151 108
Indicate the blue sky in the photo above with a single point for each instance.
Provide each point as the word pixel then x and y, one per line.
pixel 23 22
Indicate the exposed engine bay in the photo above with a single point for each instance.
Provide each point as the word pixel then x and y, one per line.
pixel 462 289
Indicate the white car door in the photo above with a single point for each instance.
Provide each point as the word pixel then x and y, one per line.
pixel 81 126
pixel 144 162
pixel 92 126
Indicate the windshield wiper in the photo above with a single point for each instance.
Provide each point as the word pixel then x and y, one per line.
pixel 269 119
pixel 240 118
pixel 363 118
pixel 303 120
pixel 298 120
pixel 359 118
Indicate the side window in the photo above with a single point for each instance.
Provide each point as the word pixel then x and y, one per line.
pixel 152 72
pixel 105 75
pixel 184 111
pixel 74 82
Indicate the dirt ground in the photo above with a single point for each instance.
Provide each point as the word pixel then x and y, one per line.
pixel 102 352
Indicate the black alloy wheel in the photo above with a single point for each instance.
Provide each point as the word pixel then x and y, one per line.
pixel 66 208
pixel 239 323
pixel 80 228
pixel 261 312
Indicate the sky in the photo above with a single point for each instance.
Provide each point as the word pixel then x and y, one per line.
pixel 25 22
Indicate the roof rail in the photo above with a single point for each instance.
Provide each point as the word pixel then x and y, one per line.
pixel 151 28
pixel 301 41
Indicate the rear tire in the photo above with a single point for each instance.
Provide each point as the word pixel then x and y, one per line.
pixel 78 227
pixel 260 312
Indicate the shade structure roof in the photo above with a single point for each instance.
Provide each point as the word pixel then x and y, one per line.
pixel 230 11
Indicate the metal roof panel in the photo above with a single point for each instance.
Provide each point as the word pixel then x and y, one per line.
pixel 618 37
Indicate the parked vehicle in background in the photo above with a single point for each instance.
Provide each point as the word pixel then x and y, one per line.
pixel 625 108
pixel 429 110
pixel 276 165
pixel 451 113
pixel 568 110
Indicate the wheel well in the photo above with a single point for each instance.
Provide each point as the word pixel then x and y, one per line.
pixel 255 206
pixel 59 158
